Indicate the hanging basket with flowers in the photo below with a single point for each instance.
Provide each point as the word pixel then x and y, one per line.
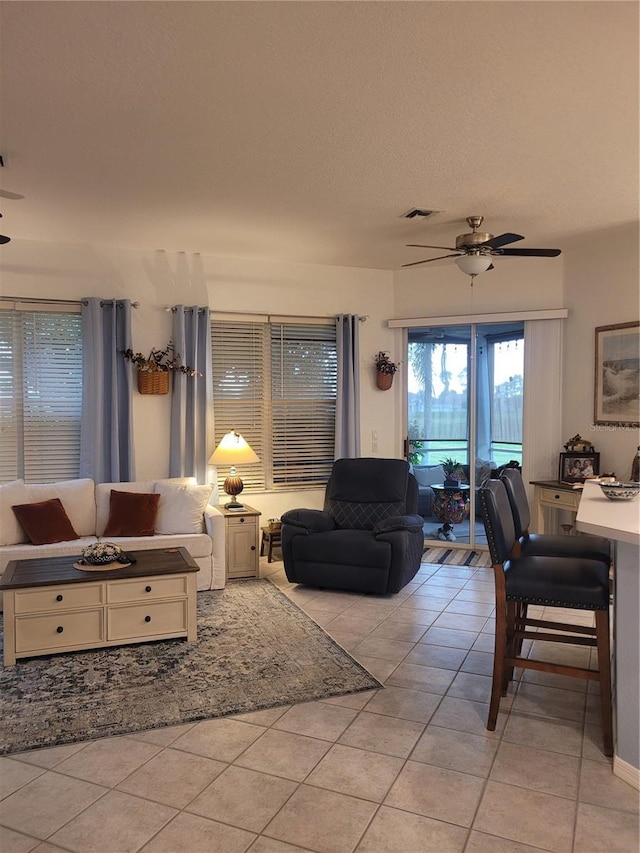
pixel 154 369
pixel 385 370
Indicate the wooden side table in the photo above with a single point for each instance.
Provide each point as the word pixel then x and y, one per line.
pixel 241 542
pixel 551 494
pixel 270 539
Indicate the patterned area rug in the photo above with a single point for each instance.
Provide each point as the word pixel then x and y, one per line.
pixel 255 649
pixel 456 557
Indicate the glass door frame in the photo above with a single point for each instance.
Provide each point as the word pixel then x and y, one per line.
pixel 471 425
pixel 476 330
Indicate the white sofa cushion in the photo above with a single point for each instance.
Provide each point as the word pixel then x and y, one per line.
pixel 103 496
pixel 12 494
pixel 181 507
pixel 76 496
pixel 197 544
pixel 55 549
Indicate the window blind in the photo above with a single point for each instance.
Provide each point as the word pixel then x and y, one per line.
pixel 276 383
pixel 303 403
pixel 40 395
pixel 238 368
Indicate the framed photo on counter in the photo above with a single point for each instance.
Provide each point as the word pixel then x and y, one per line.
pixel 578 467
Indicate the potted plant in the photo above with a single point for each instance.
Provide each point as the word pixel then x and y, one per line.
pixel 450 466
pixel 385 369
pixel 154 369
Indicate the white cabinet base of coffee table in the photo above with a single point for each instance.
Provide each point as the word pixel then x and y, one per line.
pixel 50 607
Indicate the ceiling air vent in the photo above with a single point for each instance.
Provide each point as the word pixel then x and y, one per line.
pixel 421 212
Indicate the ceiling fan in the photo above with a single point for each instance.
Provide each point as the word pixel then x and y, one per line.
pixel 9 195
pixel 473 252
pixel 4 239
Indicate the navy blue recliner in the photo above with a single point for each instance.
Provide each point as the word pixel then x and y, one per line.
pixel 368 538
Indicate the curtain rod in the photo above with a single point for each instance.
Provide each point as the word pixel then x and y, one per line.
pixel 38 301
pixel 362 319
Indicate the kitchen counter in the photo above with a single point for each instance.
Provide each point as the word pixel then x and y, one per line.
pixel 620 522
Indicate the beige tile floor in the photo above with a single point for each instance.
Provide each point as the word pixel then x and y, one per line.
pixel 407 769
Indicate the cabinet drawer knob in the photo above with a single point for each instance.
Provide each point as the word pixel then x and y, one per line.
pixel 242 521
pixel 253 547
pixel 59 597
pixel 147 589
pixel 147 618
pixel 59 629
pixel 557 497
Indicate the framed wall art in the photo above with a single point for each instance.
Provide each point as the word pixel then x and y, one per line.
pixel 617 375
pixel 578 467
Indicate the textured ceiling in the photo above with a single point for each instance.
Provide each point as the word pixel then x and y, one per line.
pixel 303 130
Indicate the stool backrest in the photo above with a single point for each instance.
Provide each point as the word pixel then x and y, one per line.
pixel 516 492
pixel 498 520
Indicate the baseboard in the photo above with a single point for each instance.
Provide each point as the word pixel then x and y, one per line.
pixel 627 772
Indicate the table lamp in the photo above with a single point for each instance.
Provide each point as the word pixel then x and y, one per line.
pixel 233 450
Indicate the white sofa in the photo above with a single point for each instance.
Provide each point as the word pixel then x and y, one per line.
pixel 87 506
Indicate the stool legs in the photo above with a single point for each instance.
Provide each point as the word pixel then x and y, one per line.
pixel 604 670
pixel 499 655
pixel 511 623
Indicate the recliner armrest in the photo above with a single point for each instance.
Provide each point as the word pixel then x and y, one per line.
pixel 399 522
pixel 310 520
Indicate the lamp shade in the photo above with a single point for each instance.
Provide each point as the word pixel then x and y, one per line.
pixel 233 450
pixel 474 264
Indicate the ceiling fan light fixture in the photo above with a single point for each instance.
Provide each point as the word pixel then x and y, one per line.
pixel 474 264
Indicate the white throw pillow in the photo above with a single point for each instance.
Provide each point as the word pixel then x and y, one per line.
pixel 181 507
pixel 429 476
pixel 483 470
pixel 77 497
pixel 12 494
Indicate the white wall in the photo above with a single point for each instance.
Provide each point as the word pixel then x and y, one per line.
pixel 158 279
pixel 516 284
pixel 596 278
pixel 601 288
pixel 598 282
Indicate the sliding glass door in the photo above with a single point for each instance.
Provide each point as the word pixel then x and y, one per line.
pixel 464 417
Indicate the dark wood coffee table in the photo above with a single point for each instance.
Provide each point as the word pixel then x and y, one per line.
pixel 50 607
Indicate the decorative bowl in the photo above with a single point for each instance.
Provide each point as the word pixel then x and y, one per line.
pixel 620 491
pixel 101 553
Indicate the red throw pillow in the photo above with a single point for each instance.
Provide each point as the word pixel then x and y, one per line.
pixel 45 522
pixel 132 514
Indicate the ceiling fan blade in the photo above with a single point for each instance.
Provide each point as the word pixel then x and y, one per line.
pixel 531 253
pixel 12 196
pixel 428 260
pixel 502 240
pixel 422 246
pixel 4 239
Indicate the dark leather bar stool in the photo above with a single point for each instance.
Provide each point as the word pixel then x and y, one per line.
pixel 542 544
pixel 571 582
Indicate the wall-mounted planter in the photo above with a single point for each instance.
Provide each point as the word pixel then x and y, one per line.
pixel 385 370
pixel 154 369
pixel 153 382
pixel 384 381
